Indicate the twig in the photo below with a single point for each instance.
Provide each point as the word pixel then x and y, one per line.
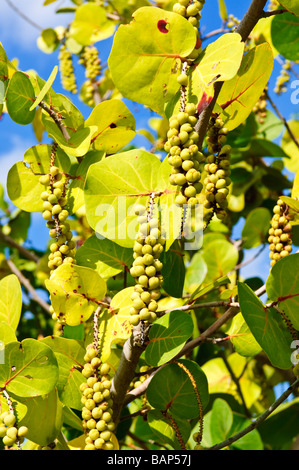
pixel 56 118
pixel 259 420
pixel 24 281
pixel 281 117
pixel 21 249
pixel 266 14
pixel 215 33
pixel 26 18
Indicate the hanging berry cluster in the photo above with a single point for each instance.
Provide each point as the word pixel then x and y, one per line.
pixel 260 109
pixel 280 236
pixel 217 169
pixel 97 402
pixel 146 268
pixel 67 75
pixel 190 9
pixel 63 249
pixel 184 155
pixel 10 433
pixel 90 59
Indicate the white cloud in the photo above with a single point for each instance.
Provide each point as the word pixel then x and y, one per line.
pixel 16 31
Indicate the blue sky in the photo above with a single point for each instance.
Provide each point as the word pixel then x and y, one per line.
pixel 19 41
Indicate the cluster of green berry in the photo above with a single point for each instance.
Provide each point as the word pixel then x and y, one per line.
pixel 217 169
pixel 97 402
pixel 141 378
pixel 90 59
pixel 67 75
pixel 280 236
pixel 9 432
pixel 146 268
pixel 184 155
pixel 283 78
pixel 232 21
pixel 55 213
pixel 190 9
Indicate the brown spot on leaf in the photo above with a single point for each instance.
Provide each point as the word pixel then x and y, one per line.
pixel 112 125
pixel 163 26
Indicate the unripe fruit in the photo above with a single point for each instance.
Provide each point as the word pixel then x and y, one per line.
pixel 9 420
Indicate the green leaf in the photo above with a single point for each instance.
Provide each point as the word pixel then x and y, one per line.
pixel 284 33
pixel 221 420
pixel 220 257
pixel 30 368
pixel 255 229
pixel 283 286
pixel 70 357
pixel 113 186
pixel 239 95
pixel 48 41
pixel 173 271
pixel 23 186
pixel 199 292
pixel 115 126
pixel 220 60
pixel 7 334
pixel 115 326
pixel 10 300
pixel 241 337
pixel 171 389
pixel 104 256
pixel 251 440
pixel 75 292
pixel 45 88
pixel 267 327
pixel 147 53
pixel 195 273
pixel 91 24
pixel 46 409
pixel 75 190
pixel 162 428
pixel 167 337
pixel 19 98
pixel 291 5
pixel 3 67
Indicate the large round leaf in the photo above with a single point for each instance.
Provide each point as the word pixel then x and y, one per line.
pixel 267 327
pixel 10 301
pixel 70 357
pixel 291 5
pixel 75 292
pixel 19 98
pixel 91 24
pixel 284 32
pixel 171 388
pixel 239 95
pixel 283 287
pixel 103 255
pixel 115 326
pixel 23 186
pixel 115 126
pixel 167 337
pixel 113 187
pixel 220 257
pixel 147 53
pixel 30 368
pixel 256 227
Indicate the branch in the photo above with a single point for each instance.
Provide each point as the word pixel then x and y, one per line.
pixel 266 14
pixel 244 28
pixel 56 118
pixel 292 136
pixel 125 372
pixel 259 420
pixel 23 251
pixel 24 281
